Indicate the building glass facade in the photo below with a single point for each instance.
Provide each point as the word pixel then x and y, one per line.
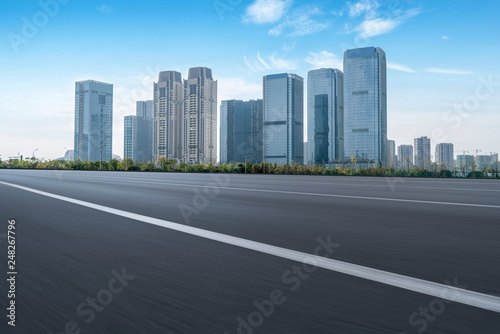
pixel 241 131
pixel 283 118
pixel 325 115
pixel 93 120
pixel 365 105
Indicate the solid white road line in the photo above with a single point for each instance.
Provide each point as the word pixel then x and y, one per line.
pixel 302 193
pixel 471 298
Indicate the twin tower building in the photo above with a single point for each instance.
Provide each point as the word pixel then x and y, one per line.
pixel 180 123
pixel 346 118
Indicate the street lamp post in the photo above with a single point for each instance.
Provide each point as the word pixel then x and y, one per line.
pixel 33 155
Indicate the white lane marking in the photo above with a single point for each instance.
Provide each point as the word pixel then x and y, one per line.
pixel 304 193
pixel 467 297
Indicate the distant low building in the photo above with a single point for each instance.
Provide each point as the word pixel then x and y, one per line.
pixel 465 162
pixel 423 152
pixel 391 153
pixel 483 161
pixel 445 155
pixel 405 156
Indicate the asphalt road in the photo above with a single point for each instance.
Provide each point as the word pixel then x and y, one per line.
pixel 84 269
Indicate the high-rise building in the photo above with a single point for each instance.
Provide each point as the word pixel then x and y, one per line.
pixel 405 156
pixel 138 133
pixel 325 116
pixel 445 155
pixel 168 111
pixel 365 105
pixel 391 153
pixel 241 131
pixel 283 118
pixel 199 122
pixel 93 120
pixel 145 109
pixel 494 157
pixel 423 152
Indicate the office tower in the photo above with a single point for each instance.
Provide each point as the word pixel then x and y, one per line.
pixel 283 118
pixel 365 105
pixel 199 127
pixel 391 153
pixel 168 110
pixel 145 109
pixel 494 157
pixel 445 155
pixel 325 116
pixel 93 120
pixel 241 131
pixel 405 156
pixel 423 152
pixel 465 162
pixel 138 131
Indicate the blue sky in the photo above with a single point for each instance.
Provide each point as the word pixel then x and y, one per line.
pixel 442 55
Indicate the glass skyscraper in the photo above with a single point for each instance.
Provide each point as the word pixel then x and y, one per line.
pixel 365 105
pixel 93 120
pixel 241 131
pixel 325 116
pixel 283 118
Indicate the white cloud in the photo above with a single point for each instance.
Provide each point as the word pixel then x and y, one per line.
pixel 282 64
pixel 445 37
pixel 370 28
pixel 292 23
pixel 367 7
pixel 266 11
pixel 338 13
pixel 324 59
pixel 300 22
pixel 259 63
pixel 448 71
pixel 399 67
pixel 262 61
pixel 377 23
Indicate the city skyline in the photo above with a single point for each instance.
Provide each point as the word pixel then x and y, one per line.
pixel 432 80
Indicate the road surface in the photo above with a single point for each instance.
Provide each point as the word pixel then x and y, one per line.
pixel 125 252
